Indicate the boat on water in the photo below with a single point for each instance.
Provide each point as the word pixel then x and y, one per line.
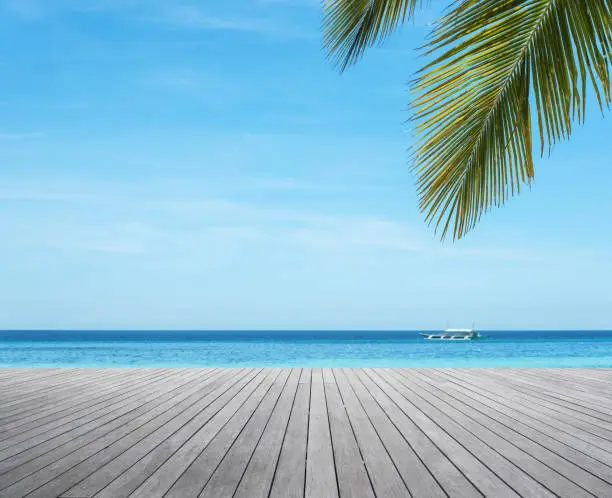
pixel 452 335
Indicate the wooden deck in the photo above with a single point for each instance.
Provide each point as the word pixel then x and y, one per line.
pixel 299 432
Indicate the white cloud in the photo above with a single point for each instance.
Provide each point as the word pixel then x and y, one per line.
pixel 341 234
pixel 172 223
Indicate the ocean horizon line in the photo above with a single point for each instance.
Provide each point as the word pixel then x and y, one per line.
pixel 552 329
pixel 279 335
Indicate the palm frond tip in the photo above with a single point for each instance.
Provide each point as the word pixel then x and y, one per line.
pixel 472 103
pixel 352 26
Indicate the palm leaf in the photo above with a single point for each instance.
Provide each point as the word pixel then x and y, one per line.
pixel 473 102
pixel 352 26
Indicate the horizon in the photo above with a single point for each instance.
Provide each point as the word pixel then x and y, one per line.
pixel 177 166
pixel 300 330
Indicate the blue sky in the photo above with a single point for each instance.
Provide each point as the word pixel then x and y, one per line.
pixel 191 164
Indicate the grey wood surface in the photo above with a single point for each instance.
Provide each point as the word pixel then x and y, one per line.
pixel 301 432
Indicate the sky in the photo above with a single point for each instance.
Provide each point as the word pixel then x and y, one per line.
pixel 202 165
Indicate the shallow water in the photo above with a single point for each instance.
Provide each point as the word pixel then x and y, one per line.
pixel 303 348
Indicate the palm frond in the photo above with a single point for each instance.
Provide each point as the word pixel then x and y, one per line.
pixel 472 104
pixel 352 26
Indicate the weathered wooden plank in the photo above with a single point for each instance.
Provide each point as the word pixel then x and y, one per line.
pixel 450 478
pixel 535 417
pixel 384 476
pixel 56 378
pixel 479 463
pixel 74 388
pixel 184 470
pixel 573 449
pixel 520 401
pixel 601 406
pixel 523 472
pixel 556 473
pixel 31 418
pixel 569 395
pixel 230 470
pixel 65 441
pixel 558 392
pixel 320 469
pixel 257 479
pixel 45 391
pixel 537 393
pixel 140 458
pixel 25 475
pixel 567 381
pixel 289 479
pixel 236 439
pixel 418 480
pixel 183 443
pixel 328 376
pixel 47 424
pixel 353 479
pixel 176 414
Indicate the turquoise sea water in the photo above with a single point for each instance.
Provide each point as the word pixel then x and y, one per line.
pixel 303 348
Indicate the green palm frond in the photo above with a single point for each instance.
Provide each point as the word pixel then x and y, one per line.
pixel 495 62
pixel 472 105
pixel 352 26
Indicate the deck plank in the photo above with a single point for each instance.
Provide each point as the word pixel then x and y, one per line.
pixel 569 395
pixel 556 473
pixel 230 471
pixel 450 478
pixel 385 477
pixel 162 423
pixel 571 448
pixel 527 475
pixel 538 392
pixel 353 479
pixel 296 433
pixel 34 472
pixel 321 479
pixel 136 465
pixel 45 390
pixel 259 473
pixel 479 463
pixel 53 407
pixel 290 477
pixel 234 443
pixel 418 480
pixel 531 402
pixel 33 431
pixel 166 462
pixel 186 472
pixel 127 453
pixel 57 447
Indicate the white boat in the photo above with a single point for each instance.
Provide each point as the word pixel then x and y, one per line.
pixel 451 335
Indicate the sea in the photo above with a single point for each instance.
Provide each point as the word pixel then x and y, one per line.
pixel 374 348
